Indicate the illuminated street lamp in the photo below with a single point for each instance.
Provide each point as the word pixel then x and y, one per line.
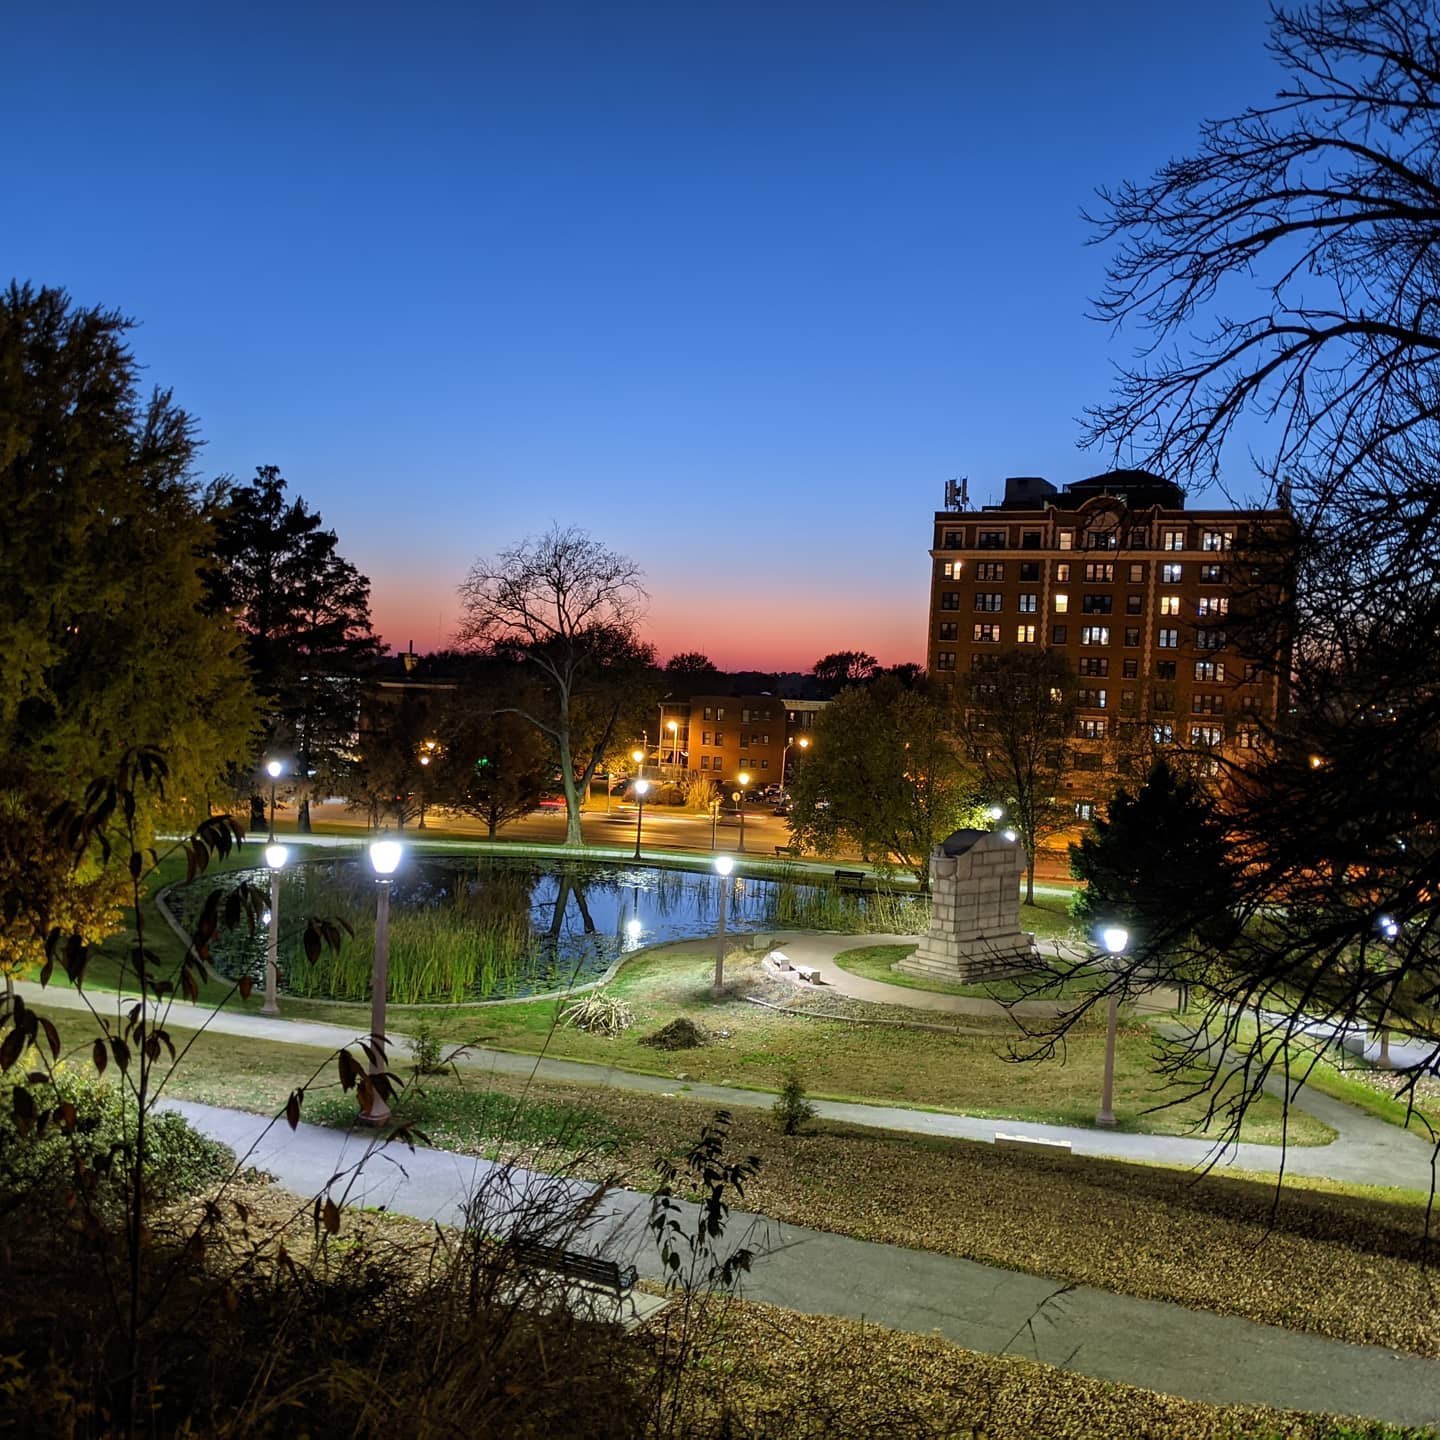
pixel 274 769
pixel 427 754
pixel 803 742
pixel 723 866
pixel 638 756
pixel 275 858
pixel 995 814
pixel 1114 938
pixel 742 779
pixel 674 727
pixel 385 856
pixel 641 787
pixel 1389 927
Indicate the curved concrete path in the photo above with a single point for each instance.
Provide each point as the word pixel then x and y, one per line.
pixel 1148 1343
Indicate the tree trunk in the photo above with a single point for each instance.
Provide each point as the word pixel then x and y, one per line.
pixel 573 834
pixel 1030 882
pixel 302 816
pixel 258 818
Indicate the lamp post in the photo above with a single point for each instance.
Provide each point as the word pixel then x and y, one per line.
pixel 274 769
pixel 1390 929
pixel 803 741
pixel 742 780
pixel 1115 939
pixel 638 756
pixel 714 819
pixel 641 786
pixel 674 727
pixel 384 857
pixel 275 858
pixel 427 754
pixel 723 866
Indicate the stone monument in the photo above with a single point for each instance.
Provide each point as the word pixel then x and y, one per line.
pixel 975 929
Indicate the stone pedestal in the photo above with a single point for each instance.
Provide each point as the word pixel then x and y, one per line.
pixel 975 929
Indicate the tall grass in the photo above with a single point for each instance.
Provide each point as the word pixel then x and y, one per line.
pixel 823 905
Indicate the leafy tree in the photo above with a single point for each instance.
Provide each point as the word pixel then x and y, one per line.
pixel 886 774
pixel 1149 859
pixel 305 613
pixel 691 664
pixel 844 667
pixel 1016 718
pixel 567 608
pixel 102 626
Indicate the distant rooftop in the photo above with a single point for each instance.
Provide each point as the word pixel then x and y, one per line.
pixel 1139 489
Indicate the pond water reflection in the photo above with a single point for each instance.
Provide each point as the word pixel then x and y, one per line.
pixel 462 930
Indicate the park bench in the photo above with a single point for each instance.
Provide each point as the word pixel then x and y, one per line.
pixel 786 850
pixel 1036 1144
pixel 807 972
pixel 849 877
pixel 591 1270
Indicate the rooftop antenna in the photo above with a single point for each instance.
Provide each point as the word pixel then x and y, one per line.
pixel 957 493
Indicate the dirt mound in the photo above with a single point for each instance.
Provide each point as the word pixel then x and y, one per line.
pixel 679 1034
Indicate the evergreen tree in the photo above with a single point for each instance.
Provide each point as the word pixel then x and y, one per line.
pixel 305 614
pixel 103 629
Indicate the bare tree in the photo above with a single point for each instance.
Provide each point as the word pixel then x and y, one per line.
pixel 1016 719
pixel 568 608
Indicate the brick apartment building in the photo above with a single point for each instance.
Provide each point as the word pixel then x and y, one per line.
pixel 1132 589
pixel 719 736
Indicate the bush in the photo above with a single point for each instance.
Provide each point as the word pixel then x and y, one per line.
pixel 427 1048
pixel 792 1109
pixel 599 1014
pixel 36 1167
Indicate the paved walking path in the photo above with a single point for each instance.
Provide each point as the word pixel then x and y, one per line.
pixel 1366 1150
pixel 1148 1343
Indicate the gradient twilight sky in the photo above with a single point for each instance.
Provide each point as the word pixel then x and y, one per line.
pixel 734 286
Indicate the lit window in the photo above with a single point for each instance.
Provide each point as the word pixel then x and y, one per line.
pixel 1217 539
pixel 1174 540
pixel 1169 604
pixel 1169 639
pixel 1210 605
pixel 1062 571
pixel 1024 634
pixel 1094 634
pixel 950 570
pixel 1137 574
pixel 1210 670
pixel 1100 572
pixel 987 634
pixel 990 570
pixel 991 600
pixel 1206 735
pixel 1062 603
pixel 1170 574
pixel 1091 729
pixel 1066 540
pixel 1163 734
pixel 1029 604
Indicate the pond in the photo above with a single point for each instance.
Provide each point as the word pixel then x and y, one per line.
pixel 465 930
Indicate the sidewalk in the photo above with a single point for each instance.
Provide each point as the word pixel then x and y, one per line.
pixel 1367 1151
pixel 1147 1343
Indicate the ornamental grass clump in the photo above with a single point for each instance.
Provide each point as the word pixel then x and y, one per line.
pixel 599 1013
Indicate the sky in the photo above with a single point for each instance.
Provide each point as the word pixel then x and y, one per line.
pixel 735 287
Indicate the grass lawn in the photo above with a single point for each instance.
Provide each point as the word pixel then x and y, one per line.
pixel 875 962
pixel 1210 1242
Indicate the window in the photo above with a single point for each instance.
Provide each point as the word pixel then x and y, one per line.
pixel 704 762
pixel 1209 639
pixel 708 715
pixel 1134 604
pixel 1170 574
pixel 764 764
pixel 1084 809
pixel 1094 634
pixel 1062 602
pixel 949 600
pixel 984 662
pixel 1205 702
pixel 1163 734
pixel 954 539
pixel 1029 539
pixel 1029 604
pixel 1169 639
pixel 1139 539
pixel 1089 760
pixel 764 739
pixel 1206 735
pixel 1164 669
pixel 1024 634
pixel 991 600
pixel 719 737
pixel 1173 540
pixel 1132 636
pixel 1065 540
pixel 990 570
pixel 1100 572
pixel 945 660
pixel 1097 604
pixel 1251 704
pixel 1029 569
pixel 1252 672
pixel 1162 700
pixel 1091 729
pixel 1058 634
pixel 987 634
pixel 1062 572
pixel 745 716
pixel 1248 739
pixel 1102 540
pixel 1094 665
pixel 1127 702
pixel 1217 540
pixel 719 714
pixel 1130 669
pixel 1211 605
pixel 1090 699
pixel 1137 574
pixel 705 737
pixel 990 540
pixel 1169 604
pixel 949 630
pixel 1213 574
pixel 1210 670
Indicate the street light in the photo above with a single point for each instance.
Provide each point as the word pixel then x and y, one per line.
pixel 1390 928
pixel 275 858
pixel 723 866
pixel 1114 938
pixel 427 754
pixel 385 855
pixel 274 769
pixel 742 779
pixel 641 786
pixel 674 728
pixel 638 756
pixel 995 813
pixel 803 742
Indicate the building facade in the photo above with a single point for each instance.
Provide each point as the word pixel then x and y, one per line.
pixel 1132 590
pixel 722 736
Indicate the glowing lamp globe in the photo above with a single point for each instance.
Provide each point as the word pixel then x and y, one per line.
pixel 276 856
pixel 723 865
pixel 1115 938
pixel 274 768
pixel 385 856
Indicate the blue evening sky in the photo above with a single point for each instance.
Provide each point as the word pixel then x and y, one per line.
pixel 736 286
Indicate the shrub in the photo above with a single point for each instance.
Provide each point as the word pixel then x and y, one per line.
pixel 792 1109
pixel 599 1014
pixel 427 1048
